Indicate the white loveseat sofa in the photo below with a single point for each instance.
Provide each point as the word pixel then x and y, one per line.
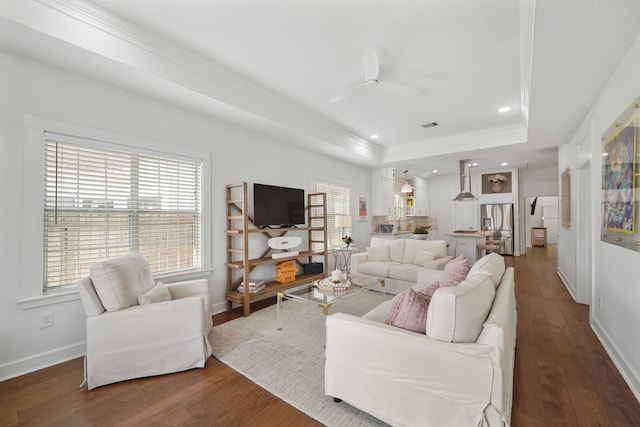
pixel 400 262
pixel 408 379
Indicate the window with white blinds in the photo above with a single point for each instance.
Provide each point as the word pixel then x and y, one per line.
pixel 338 203
pixel 103 202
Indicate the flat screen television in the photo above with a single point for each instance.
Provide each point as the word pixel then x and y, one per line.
pixel 277 206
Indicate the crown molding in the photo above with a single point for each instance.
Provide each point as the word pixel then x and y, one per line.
pixel 99 32
pixel 527 21
pixel 483 139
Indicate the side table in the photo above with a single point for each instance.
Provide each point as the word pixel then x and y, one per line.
pixel 342 257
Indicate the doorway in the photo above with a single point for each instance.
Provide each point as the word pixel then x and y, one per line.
pixel 541 211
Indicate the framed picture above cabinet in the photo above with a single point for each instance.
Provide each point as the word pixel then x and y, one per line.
pixel 495 183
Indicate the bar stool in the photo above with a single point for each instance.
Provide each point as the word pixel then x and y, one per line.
pixel 490 245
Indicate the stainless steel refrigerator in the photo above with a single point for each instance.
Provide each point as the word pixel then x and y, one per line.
pixel 497 220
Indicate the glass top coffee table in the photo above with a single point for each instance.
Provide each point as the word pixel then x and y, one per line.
pixel 312 293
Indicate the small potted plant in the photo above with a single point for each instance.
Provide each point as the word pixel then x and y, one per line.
pixel 420 232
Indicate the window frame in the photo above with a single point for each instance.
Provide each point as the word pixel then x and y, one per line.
pixel 331 215
pixel 33 293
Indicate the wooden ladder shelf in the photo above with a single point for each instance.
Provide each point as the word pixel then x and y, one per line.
pixel 240 225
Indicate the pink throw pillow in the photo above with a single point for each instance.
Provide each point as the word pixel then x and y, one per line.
pixel 455 271
pixel 409 309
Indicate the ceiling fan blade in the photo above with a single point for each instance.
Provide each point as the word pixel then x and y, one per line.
pixel 398 89
pixel 347 93
pixel 370 64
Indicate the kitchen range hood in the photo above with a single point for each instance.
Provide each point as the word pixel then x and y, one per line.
pixel 465 183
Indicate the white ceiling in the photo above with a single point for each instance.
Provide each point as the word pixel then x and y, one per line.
pixel 273 65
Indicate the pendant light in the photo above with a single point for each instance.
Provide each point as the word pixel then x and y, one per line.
pixel 406 188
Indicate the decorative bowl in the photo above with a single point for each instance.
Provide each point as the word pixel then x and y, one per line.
pixel 386 228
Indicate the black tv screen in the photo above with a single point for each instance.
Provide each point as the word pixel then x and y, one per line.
pixel 277 205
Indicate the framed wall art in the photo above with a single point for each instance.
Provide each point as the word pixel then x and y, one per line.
pixel 620 180
pixel 499 182
pixel 362 209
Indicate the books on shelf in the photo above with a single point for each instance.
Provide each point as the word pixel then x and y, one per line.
pixel 253 286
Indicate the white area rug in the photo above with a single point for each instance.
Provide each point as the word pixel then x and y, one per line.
pixel 290 363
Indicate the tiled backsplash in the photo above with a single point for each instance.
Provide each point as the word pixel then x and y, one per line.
pixel 407 224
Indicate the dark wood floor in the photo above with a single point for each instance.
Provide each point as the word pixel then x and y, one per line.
pixel 563 376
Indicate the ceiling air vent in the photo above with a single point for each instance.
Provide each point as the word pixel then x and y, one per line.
pixel 430 125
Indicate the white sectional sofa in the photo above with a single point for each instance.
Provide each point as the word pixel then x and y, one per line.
pixel 444 377
pixel 400 262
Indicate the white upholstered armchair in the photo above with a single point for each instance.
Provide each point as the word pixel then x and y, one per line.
pixel 136 328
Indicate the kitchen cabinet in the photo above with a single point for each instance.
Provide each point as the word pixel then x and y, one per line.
pixel 466 244
pixel 464 214
pixel 420 196
pixel 382 182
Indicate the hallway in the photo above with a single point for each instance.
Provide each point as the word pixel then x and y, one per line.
pixel 563 375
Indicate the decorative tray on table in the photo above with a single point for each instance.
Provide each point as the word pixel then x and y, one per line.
pixel 331 285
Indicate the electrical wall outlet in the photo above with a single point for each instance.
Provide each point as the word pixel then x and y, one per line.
pixel 46 319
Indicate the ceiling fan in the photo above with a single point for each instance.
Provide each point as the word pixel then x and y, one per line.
pixel 371 68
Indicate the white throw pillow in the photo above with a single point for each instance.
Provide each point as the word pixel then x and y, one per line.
pixel 424 258
pixel 412 246
pixel 437 246
pixel 396 247
pixel 119 281
pixel 492 265
pixel 158 293
pixel 457 313
pixel 380 253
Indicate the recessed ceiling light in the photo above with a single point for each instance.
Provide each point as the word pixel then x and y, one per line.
pixel 375 136
pixel 605 154
pixel 475 164
pixel 504 164
pixel 503 109
pixel 435 171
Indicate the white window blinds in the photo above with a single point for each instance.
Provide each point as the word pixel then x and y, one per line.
pixel 338 203
pixel 100 203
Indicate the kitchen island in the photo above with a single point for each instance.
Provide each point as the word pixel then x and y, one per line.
pixel 466 242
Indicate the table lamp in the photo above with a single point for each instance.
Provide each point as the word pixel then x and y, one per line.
pixel 343 221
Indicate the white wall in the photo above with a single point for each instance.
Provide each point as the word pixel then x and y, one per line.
pixel 616 271
pixel 442 189
pixel 567 236
pixel 31 88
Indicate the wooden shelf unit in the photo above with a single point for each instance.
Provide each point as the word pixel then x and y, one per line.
pixel 240 225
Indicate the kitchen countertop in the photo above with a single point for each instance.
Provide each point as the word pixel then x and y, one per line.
pixel 394 233
pixel 468 233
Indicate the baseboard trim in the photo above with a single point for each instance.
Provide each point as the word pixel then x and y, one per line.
pixel 567 284
pixel 43 360
pixel 219 307
pixel 630 376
